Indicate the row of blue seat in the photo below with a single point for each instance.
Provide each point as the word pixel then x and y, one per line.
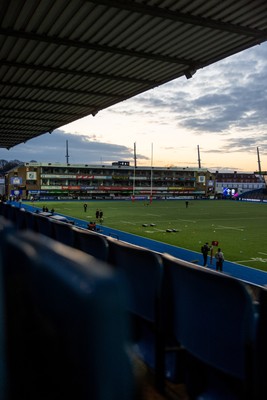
pixel 192 325
pixel 64 330
pixel 189 324
pixel 63 232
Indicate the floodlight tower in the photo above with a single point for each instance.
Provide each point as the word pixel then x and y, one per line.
pixel 198 152
pixel 134 169
pixel 67 152
pixel 259 161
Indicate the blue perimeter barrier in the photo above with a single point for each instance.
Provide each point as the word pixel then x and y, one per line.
pixel 242 272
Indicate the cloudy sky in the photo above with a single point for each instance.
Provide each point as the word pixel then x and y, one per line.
pixel 222 109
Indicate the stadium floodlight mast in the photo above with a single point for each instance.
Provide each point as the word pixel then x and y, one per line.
pixel 134 169
pixel 151 179
pixel 259 161
pixel 67 152
pixel 198 152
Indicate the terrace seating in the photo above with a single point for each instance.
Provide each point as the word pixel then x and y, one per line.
pixel 65 322
pixel 209 315
pixel 31 221
pixel 261 347
pixel 5 226
pixel 92 243
pixel 44 225
pixel 7 210
pixel 62 232
pixel 212 316
pixel 2 343
pixel 20 219
pixel 143 271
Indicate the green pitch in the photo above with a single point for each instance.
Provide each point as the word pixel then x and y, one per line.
pixel 239 227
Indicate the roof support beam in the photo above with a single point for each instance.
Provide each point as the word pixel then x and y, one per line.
pixel 55 89
pixel 39 112
pixel 90 46
pixel 52 103
pixel 182 17
pixel 84 74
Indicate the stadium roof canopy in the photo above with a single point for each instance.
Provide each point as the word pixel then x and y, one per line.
pixel 61 60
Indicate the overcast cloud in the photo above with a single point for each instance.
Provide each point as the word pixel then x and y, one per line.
pixel 81 149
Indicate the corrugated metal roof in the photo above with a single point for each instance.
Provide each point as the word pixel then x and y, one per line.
pixel 61 60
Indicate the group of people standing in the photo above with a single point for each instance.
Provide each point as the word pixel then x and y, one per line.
pixel 99 218
pixel 219 256
pixel 98 214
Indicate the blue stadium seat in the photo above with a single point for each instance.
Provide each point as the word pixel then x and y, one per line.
pixel 5 224
pixel 2 207
pixel 92 243
pixel 65 321
pixel 44 225
pixel 212 316
pixel 20 218
pixel 6 227
pixel 143 271
pixel 261 347
pixel 9 211
pixel 3 376
pixel 62 232
pixel 31 221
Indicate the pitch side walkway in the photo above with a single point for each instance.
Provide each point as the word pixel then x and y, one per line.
pixel 247 274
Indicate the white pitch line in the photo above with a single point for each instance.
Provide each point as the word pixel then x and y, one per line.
pixel 265 254
pixel 257 259
pixel 228 227
pixel 187 220
pixel 127 222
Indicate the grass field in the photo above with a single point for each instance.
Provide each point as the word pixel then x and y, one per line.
pixel 239 227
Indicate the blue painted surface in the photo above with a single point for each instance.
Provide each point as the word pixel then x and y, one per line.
pixel 242 272
pixel 247 274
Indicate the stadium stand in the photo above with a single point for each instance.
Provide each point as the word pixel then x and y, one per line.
pixel 189 325
pixel 44 225
pixel 91 242
pixel 65 321
pixel 32 221
pixel 5 226
pixel 143 271
pixel 261 347
pixel 40 90
pixel 212 317
pixel 62 232
pixel 260 195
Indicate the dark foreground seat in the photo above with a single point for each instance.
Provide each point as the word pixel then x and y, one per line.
pixel 261 347
pixel 92 243
pixel 44 225
pixel 31 221
pixel 62 232
pixel 142 269
pixel 212 316
pixel 5 227
pixel 66 325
